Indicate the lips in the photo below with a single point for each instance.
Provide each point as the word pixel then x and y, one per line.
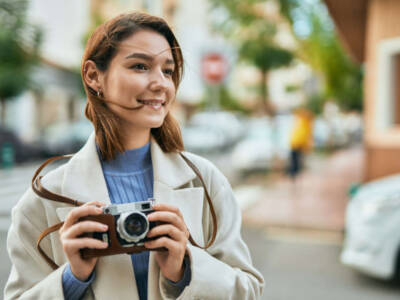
pixel 152 102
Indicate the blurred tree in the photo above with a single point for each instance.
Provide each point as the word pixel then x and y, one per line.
pixel 19 46
pixel 247 24
pixel 320 47
pixel 226 100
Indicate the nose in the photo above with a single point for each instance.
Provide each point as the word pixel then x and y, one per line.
pixel 158 81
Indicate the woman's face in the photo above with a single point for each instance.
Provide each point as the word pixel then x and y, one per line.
pixel 140 76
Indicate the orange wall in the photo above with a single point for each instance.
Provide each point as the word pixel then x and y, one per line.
pixel 383 150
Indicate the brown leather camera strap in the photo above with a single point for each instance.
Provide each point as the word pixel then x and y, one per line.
pixel 44 193
pixel 41 191
pixel 213 215
pixel 46 232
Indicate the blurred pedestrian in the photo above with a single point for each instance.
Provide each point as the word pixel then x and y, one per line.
pixel 300 140
pixel 131 68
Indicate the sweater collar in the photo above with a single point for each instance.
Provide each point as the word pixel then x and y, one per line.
pixel 130 161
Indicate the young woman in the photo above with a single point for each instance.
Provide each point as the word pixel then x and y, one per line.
pixel 131 68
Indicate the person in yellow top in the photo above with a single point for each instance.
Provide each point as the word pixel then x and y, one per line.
pixel 300 140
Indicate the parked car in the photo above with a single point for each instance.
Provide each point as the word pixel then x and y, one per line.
pixel 212 131
pixel 265 145
pixel 203 139
pixel 20 151
pixel 372 241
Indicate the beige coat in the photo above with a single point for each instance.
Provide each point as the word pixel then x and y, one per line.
pixel 224 271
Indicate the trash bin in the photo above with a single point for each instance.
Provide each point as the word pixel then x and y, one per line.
pixel 7 155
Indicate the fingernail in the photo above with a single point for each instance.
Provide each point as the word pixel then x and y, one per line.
pixel 104 227
pixel 98 209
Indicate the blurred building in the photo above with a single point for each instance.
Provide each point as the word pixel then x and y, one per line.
pixel 370 30
pixel 59 97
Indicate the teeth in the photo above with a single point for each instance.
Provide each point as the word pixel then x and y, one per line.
pixel 152 103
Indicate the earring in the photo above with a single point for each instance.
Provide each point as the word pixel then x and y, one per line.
pixel 98 93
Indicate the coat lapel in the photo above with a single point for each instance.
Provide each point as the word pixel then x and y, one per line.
pixel 84 179
pixel 171 172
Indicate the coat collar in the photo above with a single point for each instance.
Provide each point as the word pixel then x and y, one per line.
pixel 84 179
pixel 169 168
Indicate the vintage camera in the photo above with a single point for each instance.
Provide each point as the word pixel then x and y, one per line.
pixel 127 228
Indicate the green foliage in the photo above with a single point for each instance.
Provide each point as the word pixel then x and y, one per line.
pixel 322 50
pixel 226 101
pixel 254 35
pixel 264 55
pixel 290 88
pixel 316 104
pixel 19 45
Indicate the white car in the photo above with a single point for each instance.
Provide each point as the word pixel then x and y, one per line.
pixel 265 146
pixel 372 242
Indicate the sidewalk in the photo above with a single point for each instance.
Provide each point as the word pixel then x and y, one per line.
pixel 318 198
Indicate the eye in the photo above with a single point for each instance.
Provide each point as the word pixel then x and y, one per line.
pixel 139 66
pixel 169 72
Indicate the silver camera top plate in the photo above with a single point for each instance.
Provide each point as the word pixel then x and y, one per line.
pixel 117 209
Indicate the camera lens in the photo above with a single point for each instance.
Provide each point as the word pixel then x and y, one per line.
pixel 135 224
pixel 132 226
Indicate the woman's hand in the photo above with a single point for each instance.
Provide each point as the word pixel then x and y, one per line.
pixel 175 239
pixel 72 242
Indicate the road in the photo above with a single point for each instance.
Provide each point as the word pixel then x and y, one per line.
pixel 308 269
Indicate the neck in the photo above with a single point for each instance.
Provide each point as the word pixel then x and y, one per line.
pixel 136 138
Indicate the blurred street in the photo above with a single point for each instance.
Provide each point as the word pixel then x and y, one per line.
pixel 316 200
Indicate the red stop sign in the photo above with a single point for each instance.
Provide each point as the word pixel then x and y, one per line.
pixel 214 68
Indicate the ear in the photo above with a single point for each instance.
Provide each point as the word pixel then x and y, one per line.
pixel 92 75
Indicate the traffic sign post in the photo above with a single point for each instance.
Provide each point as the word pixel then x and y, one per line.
pixel 214 70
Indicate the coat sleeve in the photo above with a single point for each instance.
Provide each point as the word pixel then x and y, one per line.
pixel 223 271
pixel 30 277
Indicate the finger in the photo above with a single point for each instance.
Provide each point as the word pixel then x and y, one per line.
pixel 168 217
pixel 95 203
pixel 80 212
pixel 74 245
pixel 167 229
pixel 173 247
pixel 83 227
pixel 167 207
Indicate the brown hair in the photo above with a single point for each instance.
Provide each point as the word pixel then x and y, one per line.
pixel 101 48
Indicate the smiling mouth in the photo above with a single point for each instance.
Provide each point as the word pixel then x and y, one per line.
pixel 154 103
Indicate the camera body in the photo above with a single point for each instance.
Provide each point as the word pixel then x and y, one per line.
pixel 128 226
pixel 131 223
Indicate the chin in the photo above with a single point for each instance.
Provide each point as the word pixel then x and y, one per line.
pixel 155 123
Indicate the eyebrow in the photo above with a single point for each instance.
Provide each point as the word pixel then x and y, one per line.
pixel 148 57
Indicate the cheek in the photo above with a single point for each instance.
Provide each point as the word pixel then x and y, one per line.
pixel 123 83
pixel 171 92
